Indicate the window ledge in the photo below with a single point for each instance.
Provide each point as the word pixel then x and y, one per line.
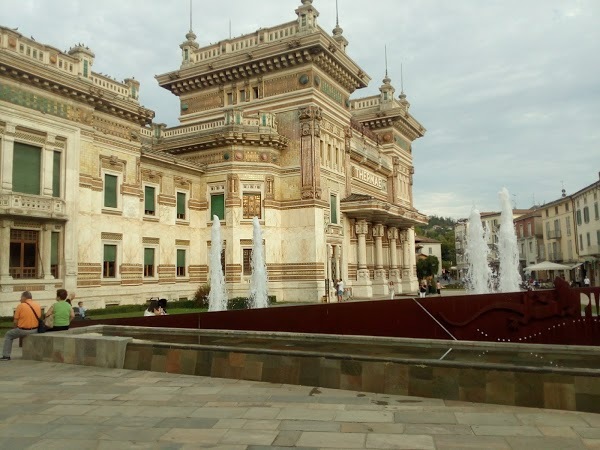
pixel 209 224
pixel 151 219
pixel 250 221
pixel 113 212
pixel 182 222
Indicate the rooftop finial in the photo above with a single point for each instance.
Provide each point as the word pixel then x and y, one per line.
pixel 337 31
pixel 401 80
pixel 190 15
pixel 386 79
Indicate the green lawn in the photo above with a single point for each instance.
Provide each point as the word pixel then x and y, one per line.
pixel 118 315
pixel 6 322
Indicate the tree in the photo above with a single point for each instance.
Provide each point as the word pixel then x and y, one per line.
pixel 427 267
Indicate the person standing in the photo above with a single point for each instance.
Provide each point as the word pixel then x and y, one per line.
pixel 423 288
pixel 586 281
pixel 340 290
pixel 438 287
pixel 392 289
pixel 26 323
pixel 62 311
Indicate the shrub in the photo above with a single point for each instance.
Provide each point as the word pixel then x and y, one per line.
pixel 201 295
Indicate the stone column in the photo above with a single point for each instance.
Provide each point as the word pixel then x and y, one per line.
pixel 394 271
pixel 310 165
pixel 337 256
pixel 405 262
pixel 361 233
pixel 380 286
pixel 46 251
pixel 410 283
pixel 48 166
pixel 5 253
pixel 362 288
pixel 6 157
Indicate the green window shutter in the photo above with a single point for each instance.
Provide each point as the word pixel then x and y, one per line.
pixel 27 168
pixel 149 200
pixel 56 175
pixel 180 258
pixel 85 68
pixel 54 249
pixel 110 191
pixel 110 253
pixel 180 204
pixel 148 256
pixel 333 206
pixel 217 206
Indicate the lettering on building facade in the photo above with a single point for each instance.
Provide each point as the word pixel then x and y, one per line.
pixel 369 178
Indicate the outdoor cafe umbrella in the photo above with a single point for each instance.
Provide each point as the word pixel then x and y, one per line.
pixel 546 265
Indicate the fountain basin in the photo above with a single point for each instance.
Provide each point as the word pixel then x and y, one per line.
pixel 546 376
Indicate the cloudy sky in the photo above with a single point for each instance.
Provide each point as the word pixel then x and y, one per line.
pixel 509 90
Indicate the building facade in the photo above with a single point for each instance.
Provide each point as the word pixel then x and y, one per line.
pixel 530 239
pixel 587 224
pixel 559 231
pixel 96 197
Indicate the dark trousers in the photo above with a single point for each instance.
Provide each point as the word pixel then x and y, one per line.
pixel 62 328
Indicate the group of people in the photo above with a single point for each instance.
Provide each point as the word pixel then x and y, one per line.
pixel 29 313
pixel 424 288
pixel 156 308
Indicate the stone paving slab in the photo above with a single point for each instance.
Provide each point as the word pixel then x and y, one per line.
pixel 58 406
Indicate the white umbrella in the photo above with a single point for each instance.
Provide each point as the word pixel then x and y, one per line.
pixel 546 265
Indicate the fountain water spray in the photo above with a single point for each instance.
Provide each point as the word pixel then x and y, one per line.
pixel 479 275
pixel 217 299
pixel 508 250
pixel 258 297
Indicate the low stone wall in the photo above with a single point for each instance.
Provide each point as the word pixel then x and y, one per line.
pixel 71 347
pixel 483 384
pixel 487 382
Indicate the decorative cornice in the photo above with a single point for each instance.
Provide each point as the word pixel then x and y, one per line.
pixel 26 72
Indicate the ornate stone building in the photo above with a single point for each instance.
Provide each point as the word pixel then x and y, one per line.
pixel 96 197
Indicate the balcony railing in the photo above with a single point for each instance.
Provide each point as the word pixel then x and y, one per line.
pixel 590 250
pixel 554 234
pixel 32 205
pixel 555 256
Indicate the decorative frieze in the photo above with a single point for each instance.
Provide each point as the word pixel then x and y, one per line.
pixel 150 240
pixel 182 242
pixel 106 236
pixel 30 138
pixel 113 163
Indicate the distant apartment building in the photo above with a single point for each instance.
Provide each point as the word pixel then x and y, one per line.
pixel 587 231
pixel 530 239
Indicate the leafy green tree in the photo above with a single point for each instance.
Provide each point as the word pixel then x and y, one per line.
pixel 427 267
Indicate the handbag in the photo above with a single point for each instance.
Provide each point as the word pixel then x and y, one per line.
pixel 41 325
pixel 49 321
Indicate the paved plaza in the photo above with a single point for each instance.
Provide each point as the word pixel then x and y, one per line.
pixel 59 406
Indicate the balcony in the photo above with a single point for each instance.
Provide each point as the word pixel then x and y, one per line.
pixel 554 234
pixel 27 205
pixel 590 250
pixel 555 256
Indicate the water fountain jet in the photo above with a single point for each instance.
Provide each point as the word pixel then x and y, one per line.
pixel 258 297
pixel 509 279
pixel 217 298
pixel 479 274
